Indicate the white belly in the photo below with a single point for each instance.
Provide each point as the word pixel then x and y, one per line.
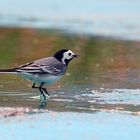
pixel 47 79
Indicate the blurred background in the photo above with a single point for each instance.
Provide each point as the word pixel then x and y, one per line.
pixel 103 83
pixel 105 33
pixel 108 18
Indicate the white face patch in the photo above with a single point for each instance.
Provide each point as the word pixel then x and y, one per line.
pixel 67 55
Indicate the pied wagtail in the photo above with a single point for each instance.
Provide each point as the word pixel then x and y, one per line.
pixel 44 71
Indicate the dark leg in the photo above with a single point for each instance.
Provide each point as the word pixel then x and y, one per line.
pixel 41 88
pixel 33 86
pixel 43 91
pixel 46 92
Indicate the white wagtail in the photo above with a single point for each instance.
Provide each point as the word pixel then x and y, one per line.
pixel 44 71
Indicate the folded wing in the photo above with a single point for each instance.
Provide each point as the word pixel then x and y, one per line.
pixel 38 69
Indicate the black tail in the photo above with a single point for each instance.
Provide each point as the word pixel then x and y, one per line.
pixel 7 71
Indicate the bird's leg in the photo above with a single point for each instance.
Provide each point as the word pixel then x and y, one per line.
pixel 43 102
pixel 44 89
pixel 43 92
pixel 33 86
pixel 41 89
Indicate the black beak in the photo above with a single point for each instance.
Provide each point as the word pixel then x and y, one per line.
pixel 76 55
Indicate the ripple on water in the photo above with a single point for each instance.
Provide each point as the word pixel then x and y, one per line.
pixel 108 100
pixel 115 96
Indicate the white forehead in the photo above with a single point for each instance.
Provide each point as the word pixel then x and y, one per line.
pixel 69 51
pixel 68 54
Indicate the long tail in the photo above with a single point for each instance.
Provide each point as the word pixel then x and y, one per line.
pixel 10 71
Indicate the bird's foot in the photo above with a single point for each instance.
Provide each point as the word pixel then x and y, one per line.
pixel 44 97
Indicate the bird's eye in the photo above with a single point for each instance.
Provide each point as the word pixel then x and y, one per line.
pixel 69 54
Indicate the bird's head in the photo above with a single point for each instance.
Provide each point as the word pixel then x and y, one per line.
pixel 65 56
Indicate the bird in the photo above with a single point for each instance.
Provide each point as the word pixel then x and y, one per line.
pixel 44 71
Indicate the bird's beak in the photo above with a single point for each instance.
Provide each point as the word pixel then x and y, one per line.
pixel 75 55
